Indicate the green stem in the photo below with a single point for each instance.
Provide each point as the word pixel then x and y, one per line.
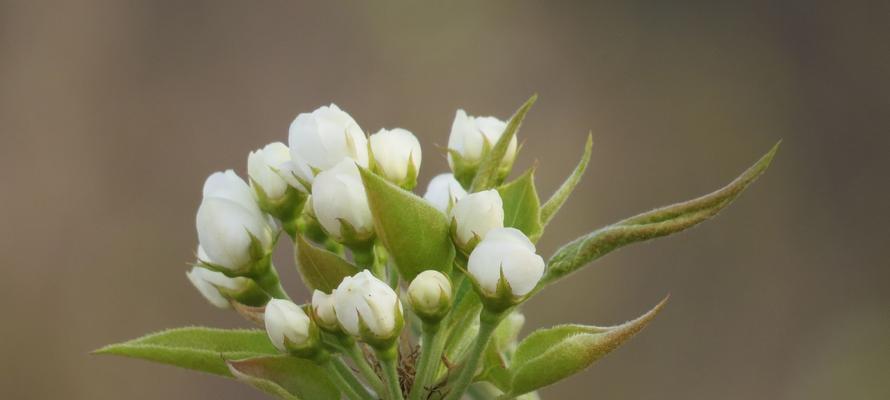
pixel 488 321
pixel 342 383
pixel 389 360
pixel 430 354
pixel 268 280
pixel 346 374
pixel 358 358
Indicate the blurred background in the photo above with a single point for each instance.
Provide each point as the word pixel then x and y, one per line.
pixel 112 113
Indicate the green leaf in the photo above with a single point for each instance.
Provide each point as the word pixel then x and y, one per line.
pixel 415 233
pixel 522 208
pixel 200 349
pixel 550 355
pixel 500 351
pixel 489 171
pixel 657 223
pixel 285 377
pixel 555 202
pixel 320 268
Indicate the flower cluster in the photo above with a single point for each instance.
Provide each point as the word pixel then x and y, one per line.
pixel 444 273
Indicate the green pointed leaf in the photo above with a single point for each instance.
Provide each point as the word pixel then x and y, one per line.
pixel 550 355
pixel 200 349
pixel 555 202
pixel 320 268
pixel 653 224
pixel 522 208
pixel 416 234
pixel 285 377
pixel 489 171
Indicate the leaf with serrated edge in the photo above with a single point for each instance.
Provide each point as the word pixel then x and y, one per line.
pixel 285 377
pixel 195 348
pixel 555 202
pixel 550 355
pixel 416 234
pixel 320 268
pixel 657 223
pixel 487 174
pixel 522 208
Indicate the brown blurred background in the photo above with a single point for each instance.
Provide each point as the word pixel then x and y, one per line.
pixel 112 113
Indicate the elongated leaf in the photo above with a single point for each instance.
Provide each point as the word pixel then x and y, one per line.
pixel 285 377
pixel 200 349
pixel 489 168
pixel 522 208
pixel 550 355
pixel 555 202
pixel 660 222
pixel 320 268
pixel 416 234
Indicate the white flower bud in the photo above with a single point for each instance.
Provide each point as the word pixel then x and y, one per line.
pixel 338 198
pixel 262 167
pixel 443 192
pixel 321 139
pixel 509 252
pixel 363 301
pixel 323 308
pixel 474 215
pixel 430 295
pixel 396 155
pixel 226 220
pixel 470 136
pixel 210 283
pixel 288 326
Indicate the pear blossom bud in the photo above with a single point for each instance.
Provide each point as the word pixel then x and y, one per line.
pixel 396 156
pixel 340 204
pixel 509 253
pixel 430 295
pixel 443 192
pixel 219 289
pixel 232 230
pixel 289 328
pixel 470 140
pixel 368 308
pixel 321 139
pixel 262 165
pixel 474 215
pixel 323 308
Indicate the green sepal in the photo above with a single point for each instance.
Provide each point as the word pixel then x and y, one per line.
pixel 502 299
pixel 352 237
pixel 464 170
pixel 653 224
pixel 415 233
pixel 555 202
pixel 286 209
pixel 250 295
pixel 285 377
pixel 464 248
pixel 491 169
pixel 550 355
pixel 522 208
pixel 196 348
pixel 320 268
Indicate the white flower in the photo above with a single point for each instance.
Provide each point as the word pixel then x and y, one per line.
pixel 396 152
pixel 227 218
pixel 474 215
pixel 430 294
pixel 210 282
pixel 362 296
pixel 443 192
pixel 470 134
pixel 510 251
pixel 339 195
pixel 287 325
pixel 323 308
pixel 263 166
pixel 321 139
